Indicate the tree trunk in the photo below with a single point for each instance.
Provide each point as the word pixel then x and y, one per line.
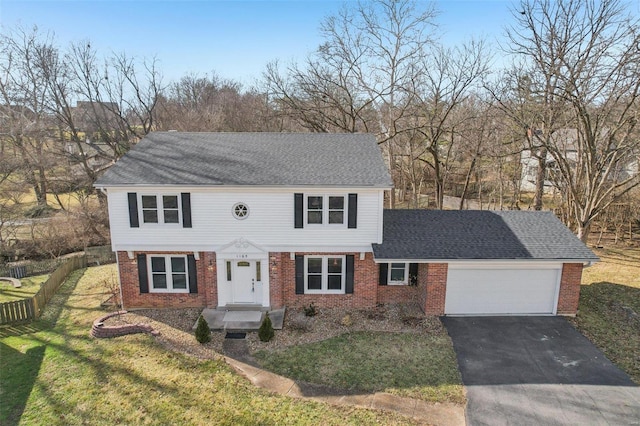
pixel 466 183
pixel 583 231
pixel 540 178
pixel 392 193
pixel 41 183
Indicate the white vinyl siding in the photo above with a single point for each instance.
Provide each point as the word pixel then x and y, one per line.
pixel 270 224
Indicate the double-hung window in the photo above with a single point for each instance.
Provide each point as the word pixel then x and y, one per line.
pixel 149 209
pixel 325 209
pixel 398 274
pixel 168 274
pixel 160 209
pixel 325 274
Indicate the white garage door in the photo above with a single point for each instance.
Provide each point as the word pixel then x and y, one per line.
pixel 502 290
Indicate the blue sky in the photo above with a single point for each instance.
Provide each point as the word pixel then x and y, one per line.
pixel 235 38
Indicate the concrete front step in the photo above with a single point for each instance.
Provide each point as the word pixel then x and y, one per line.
pixel 241 320
pixel 244 307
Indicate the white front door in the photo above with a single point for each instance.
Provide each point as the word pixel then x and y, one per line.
pixel 244 281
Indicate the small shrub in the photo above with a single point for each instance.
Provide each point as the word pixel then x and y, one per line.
pixel 111 287
pixel 266 333
pixel 203 332
pixel 300 322
pixel 379 313
pixel 311 310
pixel 347 321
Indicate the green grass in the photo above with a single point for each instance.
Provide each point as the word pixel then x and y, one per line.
pixel 609 297
pixel 52 372
pixel 30 286
pixel 416 365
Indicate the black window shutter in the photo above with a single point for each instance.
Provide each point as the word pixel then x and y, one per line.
pixel 353 211
pixel 413 274
pixel 349 279
pixel 299 274
pixel 193 274
pixel 299 210
pixel 384 272
pixel 186 209
pixel 133 210
pixel 142 273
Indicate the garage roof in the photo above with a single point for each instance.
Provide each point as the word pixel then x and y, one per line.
pixel 476 235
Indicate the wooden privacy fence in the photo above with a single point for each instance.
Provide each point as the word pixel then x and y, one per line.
pixel 29 309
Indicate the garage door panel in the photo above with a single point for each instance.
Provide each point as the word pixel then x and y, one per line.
pixel 501 291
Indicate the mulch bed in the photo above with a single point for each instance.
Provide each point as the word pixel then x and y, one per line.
pixel 175 327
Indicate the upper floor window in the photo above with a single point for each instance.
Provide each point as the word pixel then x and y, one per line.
pixel 155 208
pixel 325 209
pixel 334 210
pixel 149 209
pixel 167 211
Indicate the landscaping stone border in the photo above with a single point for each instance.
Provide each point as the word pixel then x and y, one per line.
pixel 100 331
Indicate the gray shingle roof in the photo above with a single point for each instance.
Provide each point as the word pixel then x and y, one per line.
pixel 475 234
pixel 264 159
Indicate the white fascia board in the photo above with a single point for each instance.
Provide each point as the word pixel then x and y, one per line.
pixel 481 261
pixel 316 248
pixel 248 188
pixel 160 248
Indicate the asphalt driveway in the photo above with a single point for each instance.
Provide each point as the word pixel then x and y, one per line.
pixel 538 370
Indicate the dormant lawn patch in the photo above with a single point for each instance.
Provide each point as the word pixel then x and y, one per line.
pixel 53 372
pixel 609 312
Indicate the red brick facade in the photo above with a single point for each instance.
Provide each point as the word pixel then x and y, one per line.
pixel 207 294
pixel 429 293
pixel 569 289
pixel 436 286
pixel 366 293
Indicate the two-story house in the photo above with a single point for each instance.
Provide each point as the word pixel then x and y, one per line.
pixel 275 219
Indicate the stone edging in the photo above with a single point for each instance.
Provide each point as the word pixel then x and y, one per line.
pixel 100 331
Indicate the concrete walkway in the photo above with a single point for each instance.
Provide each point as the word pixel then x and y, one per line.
pixel 238 356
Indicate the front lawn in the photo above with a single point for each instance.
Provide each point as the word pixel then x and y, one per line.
pixel 609 311
pixel 52 372
pixel 418 365
pixel 30 286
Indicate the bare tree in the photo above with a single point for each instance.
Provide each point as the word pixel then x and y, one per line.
pixel 362 78
pixel 23 105
pixel 211 103
pixel 583 64
pixel 447 80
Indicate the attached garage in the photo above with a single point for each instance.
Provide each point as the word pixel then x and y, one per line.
pixel 474 262
pixel 508 289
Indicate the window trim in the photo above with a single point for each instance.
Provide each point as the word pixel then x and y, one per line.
pixel 160 209
pixel 168 274
pixel 405 281
pixel 325 274
pixel 326 210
